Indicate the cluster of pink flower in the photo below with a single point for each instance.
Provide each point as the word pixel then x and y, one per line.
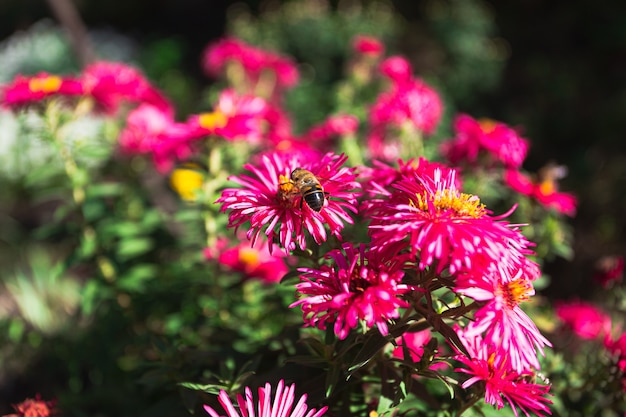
pixel 486 142
pixel 591 323
pixel 419 222
pixel 409 103
pixel 425 233
pixel 108 84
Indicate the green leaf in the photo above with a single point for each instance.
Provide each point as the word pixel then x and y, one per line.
pixel 104 190
pixel 93 210
pixel 90 295
pixel 208 388
pixel 137 277
pixel 133 247
pixel 16 330
pixel 384 405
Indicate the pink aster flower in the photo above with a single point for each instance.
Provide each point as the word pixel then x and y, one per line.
pixel 586 320
pixel 485 137
pixel 30 89
pixel 489 364
pixel 357 287
pixel 397 68
pixel 282 404
pixel 428 216
pixel 235 117
pixel 254 61
pixel 500 320
pixel 412 103
pixel 322 135
pixel 544 189
pixel 379 178
pixel 278 124
pixel 273 203
pixel 368 45
pixel 255 262
pixel 112 83
pixel 149 130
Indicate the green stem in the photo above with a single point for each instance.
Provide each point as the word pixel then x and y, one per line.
pixel 216 178
pixel 349 144
pixel 53 118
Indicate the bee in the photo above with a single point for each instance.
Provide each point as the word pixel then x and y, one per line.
pixel 309 187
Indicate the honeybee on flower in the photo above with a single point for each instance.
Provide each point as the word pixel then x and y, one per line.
pixel 273 202
pixel 304 183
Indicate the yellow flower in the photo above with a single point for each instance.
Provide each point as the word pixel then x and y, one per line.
pixel 186 180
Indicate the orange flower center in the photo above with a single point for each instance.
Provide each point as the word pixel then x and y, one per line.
pixel 284 145
pixel 49 84
pixel 464 205
pixel 516 291
pixel 547 187
pixel 487 125
pixel 213 120
pixel 249 257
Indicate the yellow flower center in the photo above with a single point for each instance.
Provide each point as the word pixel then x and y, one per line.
pixel 464 205
pixel 284 145
pixel 487 125
pixel 516 291
pixel 49 84
pixel 547 187
pixel 287 190
pixel 213 120
pixel 249 257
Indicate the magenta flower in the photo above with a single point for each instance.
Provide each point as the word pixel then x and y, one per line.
pixel 112 83
pixel 29 89
pixel 324 135
pixel 544 190
pixel 368 45
pixel 255 262
pixel 282 404
pixel 500 320
pixel 235 117
pixel 254 61
pixel 413 101
pixel 272 204
pixel 489 365
pixel 428 216
pixel 357 287
pixel 379 178
pixel 151 131
pixel 586 320
pixel 397 68
pixel 410 103
pixel 475 138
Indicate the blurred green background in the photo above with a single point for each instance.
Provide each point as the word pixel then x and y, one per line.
pixel 556 68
